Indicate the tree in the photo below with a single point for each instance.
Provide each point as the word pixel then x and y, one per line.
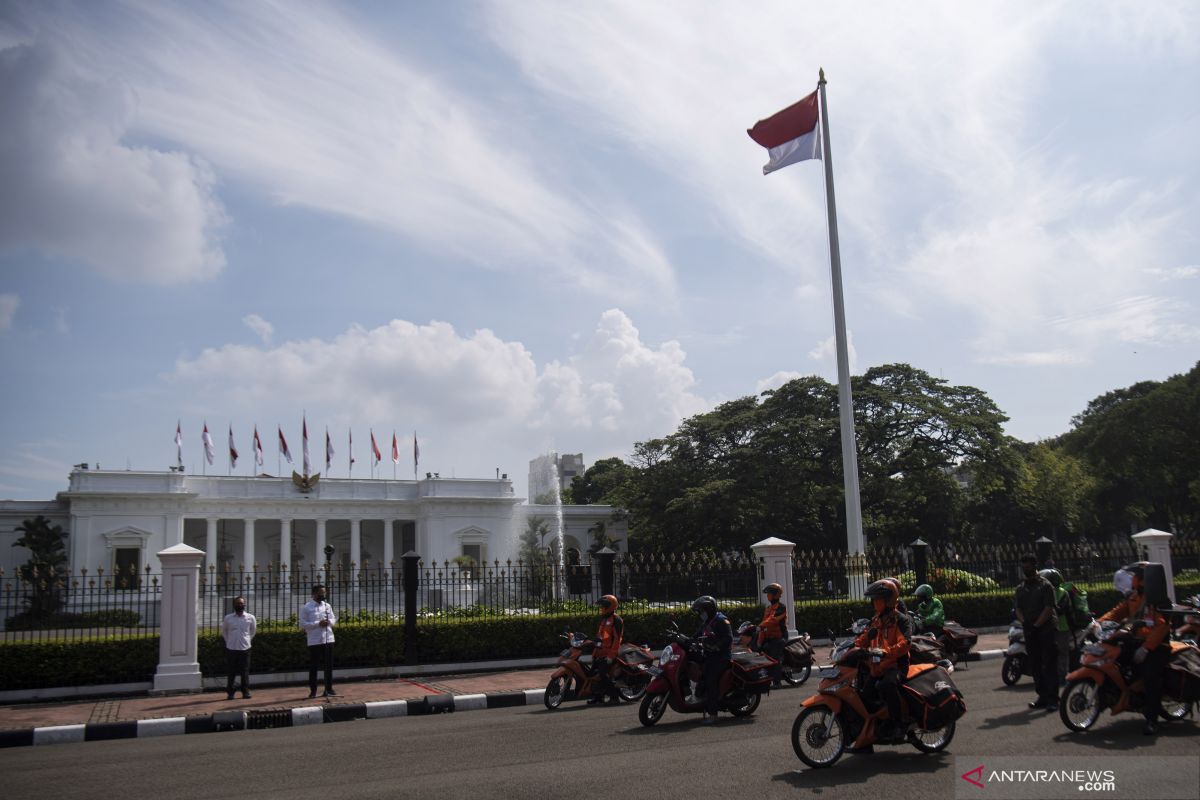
pixel 600 482
pixel 601 539
pixel 46 568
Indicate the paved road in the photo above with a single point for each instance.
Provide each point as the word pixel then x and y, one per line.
pixel 532 753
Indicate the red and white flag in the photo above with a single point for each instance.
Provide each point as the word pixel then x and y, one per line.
pixel 304 446
pixel 351 453
pixel 791 135
pixel 395 449
pixel 178 443
pixel 258 455
pixel 328 451
pixel 209 450
pixel 233 453
pixel 375 450
pixel 283 448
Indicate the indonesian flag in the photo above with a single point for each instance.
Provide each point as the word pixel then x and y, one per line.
pixel 178 442
pixel 304 446
pixel 790 136
pixel 351 453
pixel 258 455
pixel 233 453
pixel 375 449
pixel 395 449
pixel 416 453
pixel 283 448
pixel 209 450
pixel 328 451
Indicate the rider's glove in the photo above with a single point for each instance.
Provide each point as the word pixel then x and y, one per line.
pixel 875 651
pixel 1140 655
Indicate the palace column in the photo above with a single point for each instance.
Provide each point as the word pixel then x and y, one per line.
pixel 320 554
pixel 389 548
pixel 285 553
pixel 248 553
pixel 355 551
pixel 210 549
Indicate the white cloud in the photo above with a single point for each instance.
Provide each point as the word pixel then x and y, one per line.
pixel 1044 358
pixel 73 189
pixel 263 329
pixel 1174 274
pixel 825 352
pixel 776 380
pixel 309 105
pixel 9 303
pixel 465 390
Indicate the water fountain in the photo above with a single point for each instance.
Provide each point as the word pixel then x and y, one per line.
pixel 550 476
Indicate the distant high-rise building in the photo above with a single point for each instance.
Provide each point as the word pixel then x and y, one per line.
pixel 545 470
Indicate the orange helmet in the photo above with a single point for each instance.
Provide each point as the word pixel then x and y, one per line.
pixel 607 603
pixel 884 589
pixel 773 588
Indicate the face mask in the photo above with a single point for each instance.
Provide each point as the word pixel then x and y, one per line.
pixel 879 605
pixel 704 616
pixel 239 609
pixel 1029 570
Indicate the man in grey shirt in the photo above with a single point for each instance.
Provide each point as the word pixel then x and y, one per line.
pixel 1035 610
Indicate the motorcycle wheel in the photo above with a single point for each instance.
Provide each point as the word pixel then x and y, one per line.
pixel 795 677
pixel 652 709
pixel 1173 709
pixel 556 692
pixel 1011 672
pixel 818 737
pixel 932 741
pixel 747 708
pixel 631 694
pixel 1080 705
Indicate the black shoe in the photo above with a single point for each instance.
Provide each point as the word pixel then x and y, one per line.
pixel 229 696
pixel 1150 728
pixel 246 695
pixel 312 694
pixel 595 701
pixel 1039 703
pixel 330 693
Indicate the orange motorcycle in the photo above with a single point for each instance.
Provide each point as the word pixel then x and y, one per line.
pixel 843 714
pixel 572 679
pixel 1107 678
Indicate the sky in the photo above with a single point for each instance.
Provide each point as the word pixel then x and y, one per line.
pixel 517 227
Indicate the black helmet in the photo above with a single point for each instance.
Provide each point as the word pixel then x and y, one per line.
pixel 883 589
pixel 705 603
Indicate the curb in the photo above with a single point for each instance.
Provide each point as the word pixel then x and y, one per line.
pixel 261 719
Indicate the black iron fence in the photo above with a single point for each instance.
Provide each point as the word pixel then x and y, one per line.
pixel 56 606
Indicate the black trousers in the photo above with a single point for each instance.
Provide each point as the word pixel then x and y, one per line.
pixel 714 667
pixel 237 663
pixel 603 684
pixel 774 648
pixel 320 657
pixel 888 686
pixel 1042 652
pixel 1152 671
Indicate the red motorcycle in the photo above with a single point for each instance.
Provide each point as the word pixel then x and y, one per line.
pixel 741 686
pixel 572 679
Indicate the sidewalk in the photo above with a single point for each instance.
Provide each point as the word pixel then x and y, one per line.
pixel 119 717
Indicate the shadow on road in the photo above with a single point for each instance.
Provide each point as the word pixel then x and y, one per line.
pixel 686 724
pixel 1022 717
pixel 852 769
pixel 1125 735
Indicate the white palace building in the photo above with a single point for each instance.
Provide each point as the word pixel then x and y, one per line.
pixel 121 519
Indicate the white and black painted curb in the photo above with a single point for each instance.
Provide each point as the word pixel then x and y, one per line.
pixel 266 718
pixel 291 718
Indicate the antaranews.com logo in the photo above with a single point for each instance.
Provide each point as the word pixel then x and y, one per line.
pixel 1055 778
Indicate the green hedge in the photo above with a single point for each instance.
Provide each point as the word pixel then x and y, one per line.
pixel 282 648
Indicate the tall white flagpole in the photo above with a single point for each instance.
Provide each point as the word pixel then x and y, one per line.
pixel 854 532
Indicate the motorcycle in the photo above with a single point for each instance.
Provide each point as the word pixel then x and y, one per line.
pixel 571 679
pixel 924 648
pixel 843 714
pixel 740 687
pixel 1016 658
pixel 797 653
pixel 956 640
pixel 1107 678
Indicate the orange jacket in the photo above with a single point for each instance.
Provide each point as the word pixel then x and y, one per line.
pixel 1155 630
pixel 608 638
pixel 884 633
pixel 774 622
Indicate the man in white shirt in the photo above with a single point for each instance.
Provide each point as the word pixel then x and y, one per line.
pixel 238 630
pixel 317 620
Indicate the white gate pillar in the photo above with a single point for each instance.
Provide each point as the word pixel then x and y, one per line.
pixel 775 566
pixel 178 662
pixel 1155 545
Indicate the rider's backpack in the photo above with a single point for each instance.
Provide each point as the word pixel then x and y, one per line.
pixel 933 700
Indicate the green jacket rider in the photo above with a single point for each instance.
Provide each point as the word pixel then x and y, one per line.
pixel 930 608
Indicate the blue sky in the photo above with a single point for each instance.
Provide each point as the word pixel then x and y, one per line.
pixel 523 226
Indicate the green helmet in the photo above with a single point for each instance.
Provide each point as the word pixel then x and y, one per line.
pixel 1054 576
pixel 924 591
